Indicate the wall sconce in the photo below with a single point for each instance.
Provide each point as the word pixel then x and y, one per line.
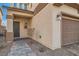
pixel 58 17
pixel 25 25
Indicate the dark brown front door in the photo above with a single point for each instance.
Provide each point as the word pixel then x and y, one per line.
pixel 16 29
pixel 70 31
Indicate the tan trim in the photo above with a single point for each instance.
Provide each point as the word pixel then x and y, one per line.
pixel 39 7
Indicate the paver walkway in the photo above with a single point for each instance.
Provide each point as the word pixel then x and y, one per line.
pixel 29 47
pixel 41 50
pixel 20 48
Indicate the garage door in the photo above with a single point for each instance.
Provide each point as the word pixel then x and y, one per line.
pixel 70 31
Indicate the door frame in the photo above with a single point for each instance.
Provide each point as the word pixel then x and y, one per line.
pixel 19 26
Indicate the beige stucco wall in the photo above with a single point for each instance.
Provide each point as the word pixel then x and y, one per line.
pixel 47 25
pixel 42 22
pixel 23 31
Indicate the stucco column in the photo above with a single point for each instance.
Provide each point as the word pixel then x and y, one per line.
pixel 9 33
pixel 56 28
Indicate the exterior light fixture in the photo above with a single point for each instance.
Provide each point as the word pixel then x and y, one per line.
pixel 58 17
pixel 25 26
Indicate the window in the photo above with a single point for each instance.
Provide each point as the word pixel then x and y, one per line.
pixel 22 5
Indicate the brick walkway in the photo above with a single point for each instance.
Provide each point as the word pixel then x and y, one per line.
pixel 20 48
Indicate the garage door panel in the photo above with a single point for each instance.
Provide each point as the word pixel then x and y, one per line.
pixel 70 31
pixel 67 38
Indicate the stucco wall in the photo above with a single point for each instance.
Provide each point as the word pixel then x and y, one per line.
pixel 47 25
pixel 42 23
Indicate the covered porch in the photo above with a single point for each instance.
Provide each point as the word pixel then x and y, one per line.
pixel 18 23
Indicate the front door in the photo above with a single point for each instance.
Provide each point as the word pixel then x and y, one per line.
pixel 16 29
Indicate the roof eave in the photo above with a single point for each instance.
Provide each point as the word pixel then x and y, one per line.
pixel 73 5
pixel 19 10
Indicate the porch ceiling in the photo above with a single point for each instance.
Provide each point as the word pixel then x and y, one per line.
pixel 21 16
